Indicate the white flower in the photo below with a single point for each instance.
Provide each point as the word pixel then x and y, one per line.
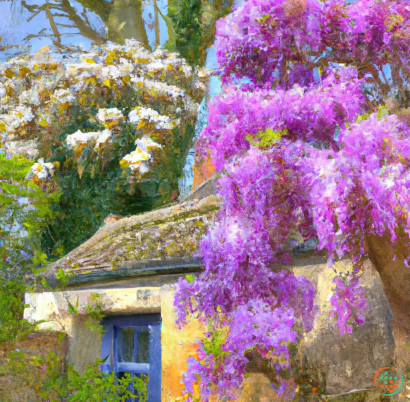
pixel 41 170
pixel 155 66
pixel 110 73
pixel 30 97
pixel 28 148
pixel 150 116
pixel 172 63
pixel 62 96
pixel 146 143
pixel 17 117
pixel 105 115
pixel 140 158
pixel 89 58
pixel 75 67
pixel 22 114
pixel 2 90
pixel 111 46
pixel 80 139
pixel 138 52
pixel 125 67
pixel 102 139
pixel 187 70
pixel 159 52
pixel 204 72
pixel 77 87
pixel 159 88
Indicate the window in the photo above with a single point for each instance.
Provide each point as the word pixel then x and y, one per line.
pixel 132 344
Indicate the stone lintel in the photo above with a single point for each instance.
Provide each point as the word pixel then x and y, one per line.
pixel 56 308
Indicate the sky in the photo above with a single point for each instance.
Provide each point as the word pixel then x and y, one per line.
pixel 15 25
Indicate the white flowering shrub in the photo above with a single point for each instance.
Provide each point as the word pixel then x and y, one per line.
pixel 112 127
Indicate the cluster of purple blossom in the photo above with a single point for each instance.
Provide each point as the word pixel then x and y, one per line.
pixel 255 326
pixel 348 302
pixel 295 153
pixel 282 41
pixel 308 113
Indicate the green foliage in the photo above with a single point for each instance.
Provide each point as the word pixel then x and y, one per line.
pixel 94 314
pixel 63 277
pixel 213 344
pixel 52 381
pixel 48 374
pixel 93 185
pixel 42 220
pixel 24 206
pixel 186 15
pixel 11 308
pixel 266 138
pixel 25 209
pixel 194 26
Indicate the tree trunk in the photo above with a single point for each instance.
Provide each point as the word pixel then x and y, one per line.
pixel 157 33
pixel 395 277
pixel 126 22
pixel 85 29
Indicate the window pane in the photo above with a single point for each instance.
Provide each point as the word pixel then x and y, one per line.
pixel 125 344
pixel 143 345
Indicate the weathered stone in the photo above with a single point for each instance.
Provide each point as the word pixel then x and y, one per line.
pixel 257 388
pixel 388 259
pixel 53 307
pixel 349 362
pixel 359 396
pixel 207 188
pixel 84 346
pixel 163 235
pixel 119 260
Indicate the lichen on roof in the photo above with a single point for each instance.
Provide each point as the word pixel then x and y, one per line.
pixel 166 234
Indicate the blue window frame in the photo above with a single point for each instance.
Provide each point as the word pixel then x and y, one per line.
pixel 132 344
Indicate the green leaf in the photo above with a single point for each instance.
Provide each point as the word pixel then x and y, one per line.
pixel 71 308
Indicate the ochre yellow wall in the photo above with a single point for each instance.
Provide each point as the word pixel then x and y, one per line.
pixel 202 173
pixel 177 346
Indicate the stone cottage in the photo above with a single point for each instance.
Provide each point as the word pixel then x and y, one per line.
pixel 132 263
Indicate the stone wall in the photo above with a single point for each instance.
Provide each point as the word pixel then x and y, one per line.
pixel 346 363
pixel 349 362
pixel 84 344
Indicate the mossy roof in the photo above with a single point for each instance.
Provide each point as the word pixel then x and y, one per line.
pixel 147 244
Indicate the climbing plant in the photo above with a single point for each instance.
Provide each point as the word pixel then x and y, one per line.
pixel 310 136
